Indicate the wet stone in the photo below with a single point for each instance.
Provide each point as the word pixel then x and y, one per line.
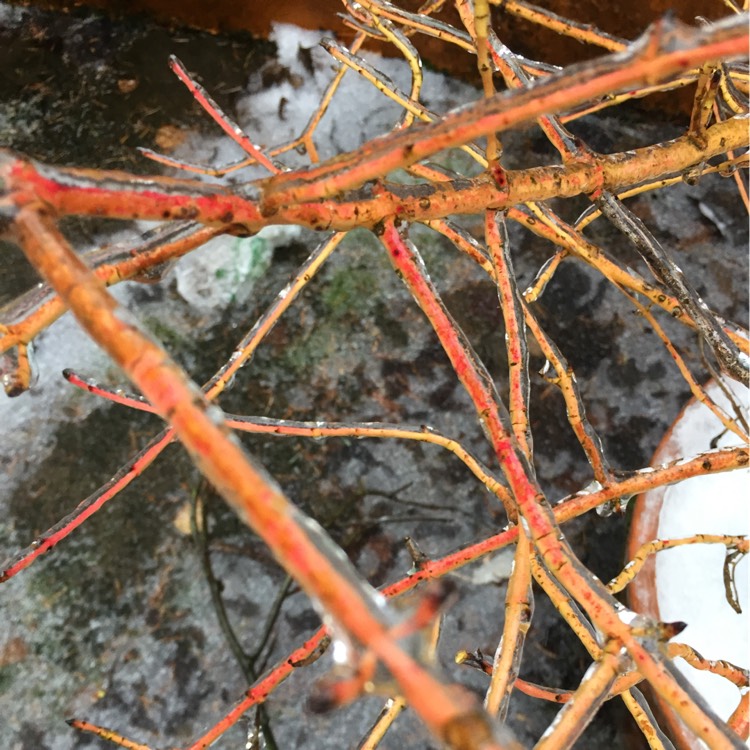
pixel 116 624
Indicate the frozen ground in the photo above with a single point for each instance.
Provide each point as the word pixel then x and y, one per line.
pixel 115 625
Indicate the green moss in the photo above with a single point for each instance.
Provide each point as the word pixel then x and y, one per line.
pixel 165 334
pixel 100 567
pixel 303 354
pixel 349 293
pixel 7 673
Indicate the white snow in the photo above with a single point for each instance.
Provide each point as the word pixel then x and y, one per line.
pixel 274 115
pixel 223 271
pixel 495 569
pixel 690 585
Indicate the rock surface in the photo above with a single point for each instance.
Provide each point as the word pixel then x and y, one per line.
pixel 116 625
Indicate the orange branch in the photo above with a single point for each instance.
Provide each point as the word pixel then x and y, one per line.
pixel 301 547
